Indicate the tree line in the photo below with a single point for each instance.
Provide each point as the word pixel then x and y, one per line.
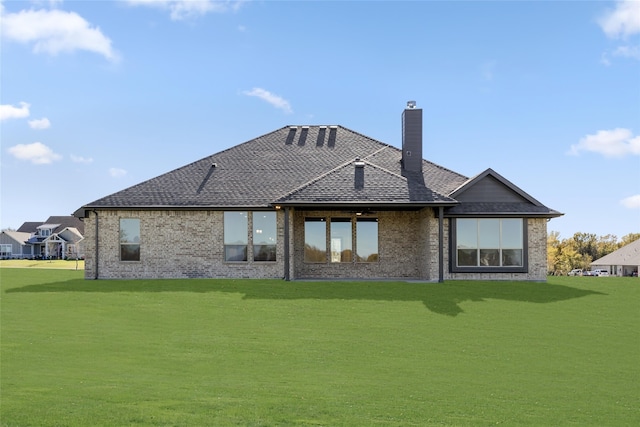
pixel 578 251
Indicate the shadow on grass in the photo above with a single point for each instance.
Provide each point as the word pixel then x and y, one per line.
pixel 441 298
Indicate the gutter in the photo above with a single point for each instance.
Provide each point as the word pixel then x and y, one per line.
pixel 95 276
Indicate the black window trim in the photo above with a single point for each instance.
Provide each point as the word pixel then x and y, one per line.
pixel 453 253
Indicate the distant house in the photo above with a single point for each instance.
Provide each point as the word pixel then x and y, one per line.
pixel 59 237
pixel 623 262
pixel 312 202
pixel 13 244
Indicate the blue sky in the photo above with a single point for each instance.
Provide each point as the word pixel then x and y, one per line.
pixel 98 96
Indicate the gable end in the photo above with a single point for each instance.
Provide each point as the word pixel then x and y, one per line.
pixel 491 189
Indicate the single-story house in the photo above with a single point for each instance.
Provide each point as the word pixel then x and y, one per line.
pixel 13 244
pixel 58 237
pixel 313 202
pixel 622 262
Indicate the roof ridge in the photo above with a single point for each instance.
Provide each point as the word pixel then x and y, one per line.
pixel 383 169
pixel 314 180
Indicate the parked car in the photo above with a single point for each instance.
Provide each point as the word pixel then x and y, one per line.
pixel 601 273
pixel 587 273
pixel 575 272
pixel 634 274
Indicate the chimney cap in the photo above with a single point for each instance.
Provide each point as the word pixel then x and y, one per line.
pixel 411 104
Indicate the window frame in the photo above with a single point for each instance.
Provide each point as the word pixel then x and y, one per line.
pixel 323 221
pixel 358 240
pixel 130 244
pixel 4 253
pixel 453 249
pixel 328 237
pixel 226 233
pixel 271 249
pixel 250 251
pixel 340 250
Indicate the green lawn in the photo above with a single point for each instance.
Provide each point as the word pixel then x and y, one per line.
pixel 275 353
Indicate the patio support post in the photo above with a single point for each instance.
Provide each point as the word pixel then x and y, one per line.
pixel 286 244
pixel 440 244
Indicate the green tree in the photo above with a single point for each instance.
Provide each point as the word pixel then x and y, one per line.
pixel 586 244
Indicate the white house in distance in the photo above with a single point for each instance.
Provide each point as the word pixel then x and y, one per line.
pixel 59 237
pixel 623 262
pixel 13 244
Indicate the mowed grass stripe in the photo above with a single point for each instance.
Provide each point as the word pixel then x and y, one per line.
pixel 253 352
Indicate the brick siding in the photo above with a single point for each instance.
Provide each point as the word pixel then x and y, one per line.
pixel 189 244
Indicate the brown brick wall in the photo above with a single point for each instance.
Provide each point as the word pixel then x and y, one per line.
pixel 182 244
pixel 174 244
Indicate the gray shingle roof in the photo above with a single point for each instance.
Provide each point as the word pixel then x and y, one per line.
pixel 292 164
pixel 61 222
pixel 64 222
pixel 29 227
pixel 626 255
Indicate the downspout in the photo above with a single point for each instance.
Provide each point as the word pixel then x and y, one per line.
pixel 95 276
pixel 286 244
pixel 440 244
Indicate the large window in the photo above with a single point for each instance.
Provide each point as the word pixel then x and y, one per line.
pixel 235 236
pixel 129 239
pixel 344 234
pixel 315 240
pixel 367 239
pixel 5 251
pixel 265 234
pixel 341 240
pixel 490 243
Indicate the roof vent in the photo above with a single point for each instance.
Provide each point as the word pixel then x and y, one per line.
pixel 358 181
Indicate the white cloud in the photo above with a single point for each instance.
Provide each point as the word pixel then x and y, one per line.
pixel 632 202
pixel 42 123
pixel 117 172
pixel 185 9
pixel 8 111
pixel 80 159
pixel 37 153
pixel 627 52
pixel 622 21
pixel 271 98
pixel 610 143
pixel 56 31
pixel 604 59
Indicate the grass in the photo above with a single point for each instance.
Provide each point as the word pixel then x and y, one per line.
pixel 265 353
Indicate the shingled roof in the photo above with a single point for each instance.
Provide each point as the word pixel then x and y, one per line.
pixel 298 165
pixel 60 221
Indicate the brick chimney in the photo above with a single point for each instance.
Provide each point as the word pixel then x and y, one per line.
pixel 412 138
